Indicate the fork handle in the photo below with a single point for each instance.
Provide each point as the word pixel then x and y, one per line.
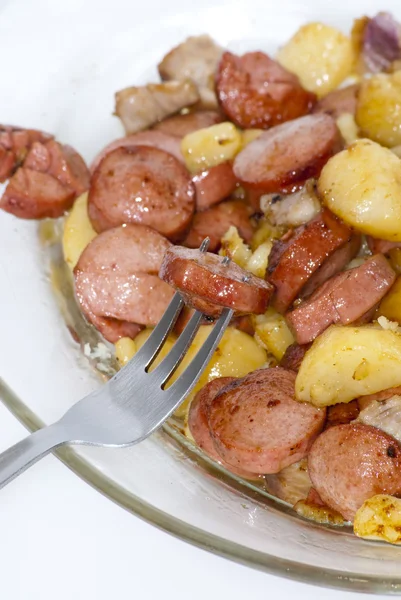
pixel 28 451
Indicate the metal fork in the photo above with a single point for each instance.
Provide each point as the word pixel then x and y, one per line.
pixel 133 404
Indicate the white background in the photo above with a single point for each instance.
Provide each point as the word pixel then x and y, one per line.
pixel 62 540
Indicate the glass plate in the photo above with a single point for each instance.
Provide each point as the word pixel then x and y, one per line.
pixel 67 62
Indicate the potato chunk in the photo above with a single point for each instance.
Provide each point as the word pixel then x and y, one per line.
pixel 347 362
pixel 379 518
pixel 272 332
pixel 362 186
pixel 78 231
pixel 378 112
pixel 210 146
pixel 321 56
pixel 390 306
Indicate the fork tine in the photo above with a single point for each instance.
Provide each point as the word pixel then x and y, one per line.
pixel 151 348
pixel 167 367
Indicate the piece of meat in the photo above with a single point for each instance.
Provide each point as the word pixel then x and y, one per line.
pixel 377 246
pixel 255 91
pixel 292 210
pixel 14 145
pixel 381 42
pixel 342 414
pixel 181 125
pixel 339 101
pixel 350 463
pixel 142 184
pixel 116 280
pixel 257 424
pixel 293 357
pixel 141 107
pixel 214 185
pixel 61 162
pixel 155 139
pixel 314 498
pixel 209 285
pixel 214 223
pixel 283 158
pixel 36 195
pixel 294 259
pixel 364 401
pixel 343 299
pixel 196 58
pixel 330 267
pixel 199 426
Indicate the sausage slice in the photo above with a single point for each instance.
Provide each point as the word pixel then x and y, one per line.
pixel 14 145
pixel 350 463
pixel 377 246
pixel 116 279
pixel 141 184
pixel 293 357
pixel 215 221
pixel 35 195
pixel 255 91
pixel 61 162
pixel 181 125
pixel 297 257
pixel 344 299
pixel 199 426
pixel 282 159
pixel 214 185
pixel 257 425
pixel 208 284
pixel 339 101
pixel 156 139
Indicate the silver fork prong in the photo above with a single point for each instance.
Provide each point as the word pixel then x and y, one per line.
pixel 167 367
pixel 204 245
pixel 175 394
pixel 149 351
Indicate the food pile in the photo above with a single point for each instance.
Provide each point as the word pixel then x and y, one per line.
pixel 291 167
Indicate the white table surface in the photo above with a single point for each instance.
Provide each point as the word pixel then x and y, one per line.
pixel 62 540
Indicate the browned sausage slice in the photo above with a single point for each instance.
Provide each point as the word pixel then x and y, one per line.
pixel 214 223
pixel 282 159
pixel 181 125
pixel 35 195
pixel 295 259
pixel 350 463
pixel 60 161
pixel 199 426
pixel 116 279
pixel 14 145
pixel 156 139
pixel 257 425
pixel 214 185
pixel 293 357
pixel 208 284
pixel 339 101
pixel 141 184
pixel 342 413
pixel 343 299
pixel 377 246
pixel 255 91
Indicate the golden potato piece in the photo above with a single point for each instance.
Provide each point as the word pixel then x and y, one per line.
pixel 347 362
pixel 236 355
pixel 379 518
pixel 78 231
pixel 321 56
pixel 378 112
pixel 390 306
pixel 348 128
pixel 211 146
pixel 362 186
pixel 233 245
pixel 272 332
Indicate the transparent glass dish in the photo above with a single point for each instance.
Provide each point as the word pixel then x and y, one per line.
pixel 164 480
